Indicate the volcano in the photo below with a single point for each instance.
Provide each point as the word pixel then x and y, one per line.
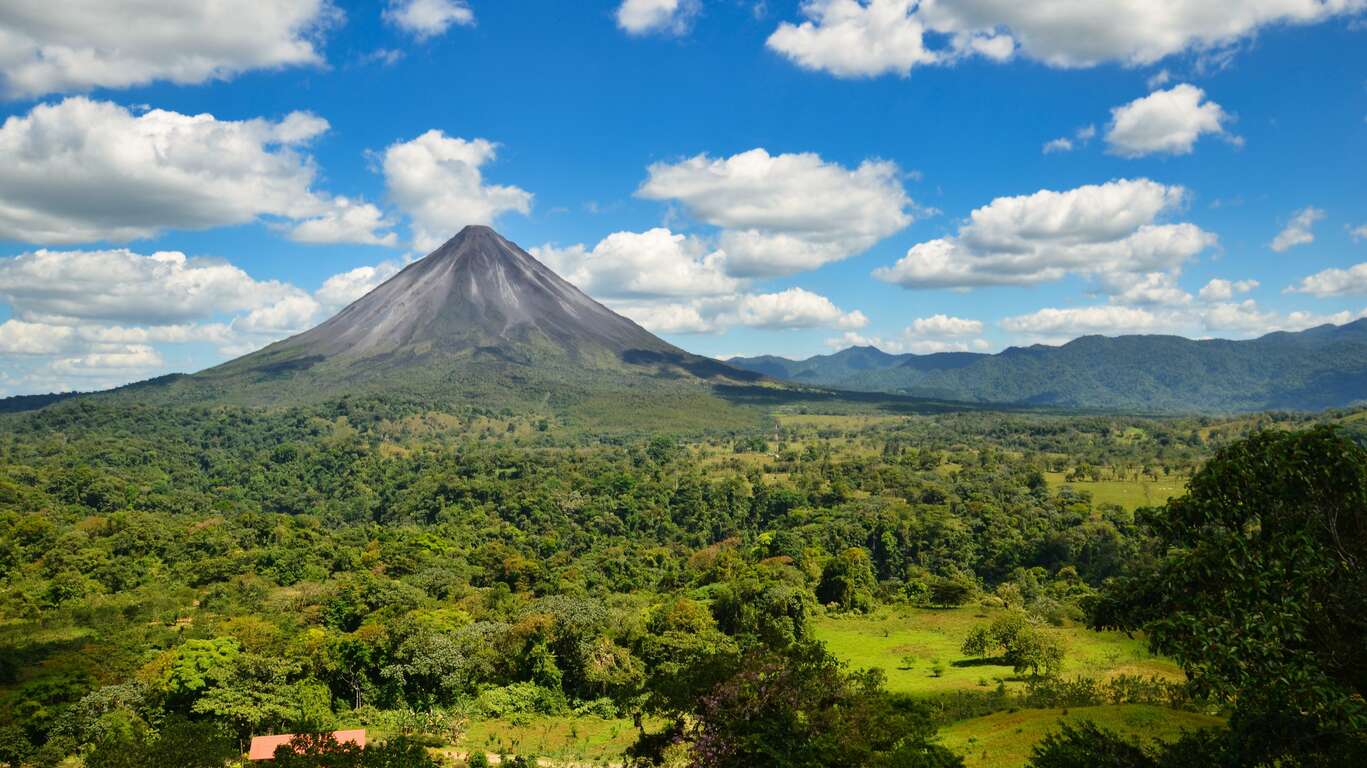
pixel 477 318
pixel 477 292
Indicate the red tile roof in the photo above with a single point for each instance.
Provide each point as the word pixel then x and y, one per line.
pixel 263 747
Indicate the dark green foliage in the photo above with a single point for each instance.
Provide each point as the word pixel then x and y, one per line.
pixel 308 569
pixel 1260 593
pixel 800 709
pixel 127 742
pixel 322 751
pixel 1087 746
pixel 847 581
pixel 1021 643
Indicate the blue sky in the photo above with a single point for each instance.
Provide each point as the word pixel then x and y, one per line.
pixel 742 177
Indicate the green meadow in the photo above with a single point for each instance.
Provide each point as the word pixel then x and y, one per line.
pixel 1004 739
pixel 1128 494
pixel 918 649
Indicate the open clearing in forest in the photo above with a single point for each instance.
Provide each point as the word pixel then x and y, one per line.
pixel 563 740
pixel 885 638
pixel 1128 494
pixel 1004 739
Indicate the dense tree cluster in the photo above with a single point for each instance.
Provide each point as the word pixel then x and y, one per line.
pixel 176 575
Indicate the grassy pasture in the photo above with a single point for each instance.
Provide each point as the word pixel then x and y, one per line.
pixel 1129 494
pixel 884 640
pixel 1005 739
pixel 563 740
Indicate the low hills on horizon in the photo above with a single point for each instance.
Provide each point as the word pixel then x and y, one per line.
pixel 1315 369
pixel 481 322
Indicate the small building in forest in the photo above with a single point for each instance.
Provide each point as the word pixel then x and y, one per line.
pixel 263 747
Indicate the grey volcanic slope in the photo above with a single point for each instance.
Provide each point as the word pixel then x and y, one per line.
pixel 478 319
pixel 477 290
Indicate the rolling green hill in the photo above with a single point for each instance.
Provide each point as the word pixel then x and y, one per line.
pixel 1319 368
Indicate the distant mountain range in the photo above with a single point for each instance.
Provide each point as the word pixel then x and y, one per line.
pixel 1319 368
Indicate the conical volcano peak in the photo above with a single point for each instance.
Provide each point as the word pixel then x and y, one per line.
pixel 475 236
pixel 478 292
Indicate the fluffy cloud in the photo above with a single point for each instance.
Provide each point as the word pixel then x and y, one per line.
pixel 346 222
pixel 1358 233
pixel 1153 288
pixel 1167 122
pixel 941 326
pixel 925 335
pixel 1052 322
pixel 1108 231
pixel 672 283
pixel 1065 144
pixel 437 180
pixel 652 264
pixel 1219 289
pixel 77 45
pixel 781 214
pixel 427 18
pixel 639 17
pixel 853 38
pixel 122 286
pixel 83 170
pixel 1241 319
pixel 1298 231
pixel 791 308
pixel 1061 144
pixel 848 38
pixel 1334 282
pixel 90 319
pixel 342 289
pixel 781 310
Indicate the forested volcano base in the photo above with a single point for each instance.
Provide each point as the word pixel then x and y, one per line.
pixel 851 589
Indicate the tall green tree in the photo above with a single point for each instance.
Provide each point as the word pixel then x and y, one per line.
pixel 1259 590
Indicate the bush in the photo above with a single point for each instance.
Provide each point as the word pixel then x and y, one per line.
pixel 520 698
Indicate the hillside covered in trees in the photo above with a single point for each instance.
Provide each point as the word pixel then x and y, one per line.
pixel 1324 367
pixel 173 576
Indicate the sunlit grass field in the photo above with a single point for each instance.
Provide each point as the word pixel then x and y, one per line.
pixel 930 639
pixel 562 740
pixel 885 639
pixel 1005 739
pixel 1129 494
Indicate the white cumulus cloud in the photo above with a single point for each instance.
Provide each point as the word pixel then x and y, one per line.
pixel 782 214
pixel 343 288
pixel 1166 122
pixel 82 170
pixel 639 17
pixel 347 222
pixel 427 18
pixel 859 38
pixel 1242 319
pixel 1298 231
pixel 652 264
pixel 1219 289
pixel 122 286
pixel 93 319
pixel 945 326
pixel 1334 282
pixel 1108 231
pixel 438 181
pixel 77 45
